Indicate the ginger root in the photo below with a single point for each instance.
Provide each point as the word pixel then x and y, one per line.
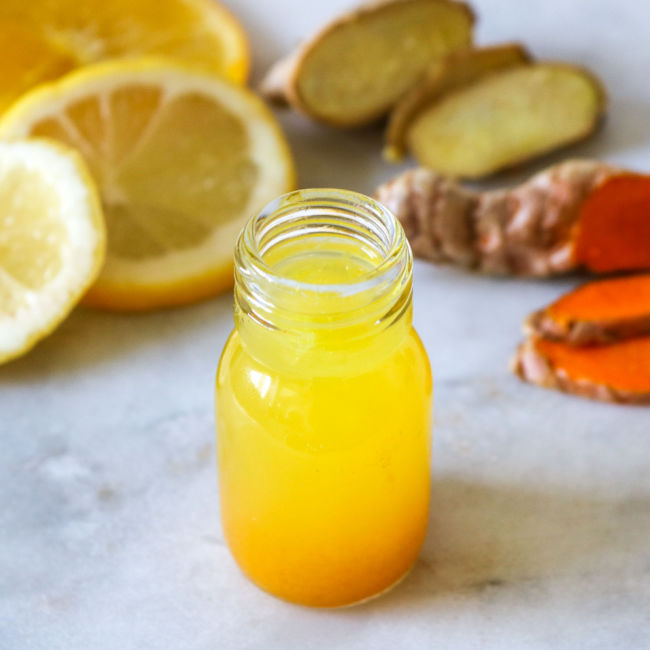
pixel 492 109
pixel 578 214
pixel 454 71
pixel 600 312
pixel 613 373
pixel 355 69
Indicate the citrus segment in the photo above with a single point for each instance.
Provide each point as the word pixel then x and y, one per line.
pixel 51 240
pixel 182 160
pixel 43 39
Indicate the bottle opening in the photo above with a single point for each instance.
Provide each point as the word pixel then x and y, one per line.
pixel 323 253
pixel 322 278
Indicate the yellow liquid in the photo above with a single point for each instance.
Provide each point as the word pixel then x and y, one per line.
pixel 324 473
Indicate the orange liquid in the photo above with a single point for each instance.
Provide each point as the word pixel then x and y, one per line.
pixel 324 481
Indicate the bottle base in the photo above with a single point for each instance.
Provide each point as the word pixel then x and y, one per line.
pixel 344 605
pixel 379 594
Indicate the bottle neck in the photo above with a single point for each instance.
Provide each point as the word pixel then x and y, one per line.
pixel 323 283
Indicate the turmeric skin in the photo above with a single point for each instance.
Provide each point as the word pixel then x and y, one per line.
pixel 619 372
pixel 599 312
pixel 578 214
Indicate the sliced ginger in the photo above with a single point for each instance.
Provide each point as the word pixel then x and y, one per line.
pixel 358 66
pixel 503 117
pixel 454 71
pixel 599 312
pixel 577 214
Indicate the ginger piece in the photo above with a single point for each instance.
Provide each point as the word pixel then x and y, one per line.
pixel 619 372
pixel 454 71
pixel 578 214
pixel 354 70
pixel 599 312
pixel 504 118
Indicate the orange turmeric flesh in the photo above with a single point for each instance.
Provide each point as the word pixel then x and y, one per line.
pixel 614 299
pixel 623 366
pixel 614 225
pixel 599 312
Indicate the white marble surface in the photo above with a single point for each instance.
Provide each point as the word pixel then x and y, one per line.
pixel 540 525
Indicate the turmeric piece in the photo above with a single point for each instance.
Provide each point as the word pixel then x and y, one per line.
pixel 614 226
pixel 599 312
pixel 454 71
pixel 619 372
pixel 354 70
pixel 578 214
pixel 503 116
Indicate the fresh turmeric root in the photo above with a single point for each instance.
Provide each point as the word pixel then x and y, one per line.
pixel 483 110
pixel 619 372
pixel 597 313
pixel 354 70
pixel 594 342
pixel 578 214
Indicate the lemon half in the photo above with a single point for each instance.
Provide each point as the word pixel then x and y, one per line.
pixel 51 240
pixel 182 159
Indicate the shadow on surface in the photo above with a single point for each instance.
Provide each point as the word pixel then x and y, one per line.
pixel 328 157
pixel 484 537
pixel 624 129
pixel 89 337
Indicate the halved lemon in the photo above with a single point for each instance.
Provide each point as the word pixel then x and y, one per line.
pixel 182 159
pixel 51 240
pixel 42 39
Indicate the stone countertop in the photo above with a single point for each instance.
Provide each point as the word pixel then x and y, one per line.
pixel 540 523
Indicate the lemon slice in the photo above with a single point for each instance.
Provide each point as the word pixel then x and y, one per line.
pixel 51 240
pixel 182 159
pixel 42 39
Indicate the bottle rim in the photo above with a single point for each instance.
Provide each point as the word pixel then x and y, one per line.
pixel 260 288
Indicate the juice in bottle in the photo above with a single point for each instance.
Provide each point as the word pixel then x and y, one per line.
pixel 323 403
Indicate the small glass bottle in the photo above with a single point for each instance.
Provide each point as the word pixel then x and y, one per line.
pixel 324 402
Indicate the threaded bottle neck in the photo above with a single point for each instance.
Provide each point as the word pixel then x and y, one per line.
pixel 320 273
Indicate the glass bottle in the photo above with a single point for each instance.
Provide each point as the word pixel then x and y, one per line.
pixel 324 402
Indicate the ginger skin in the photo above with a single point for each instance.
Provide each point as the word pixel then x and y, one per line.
pixel 600 312
pixel 562 219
